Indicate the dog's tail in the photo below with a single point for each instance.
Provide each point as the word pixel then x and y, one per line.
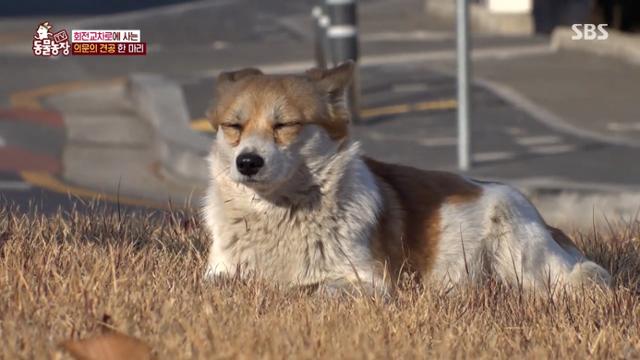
pixel 584 272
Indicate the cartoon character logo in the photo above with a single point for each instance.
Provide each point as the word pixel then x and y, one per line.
pixel 46 43
pixel 43 31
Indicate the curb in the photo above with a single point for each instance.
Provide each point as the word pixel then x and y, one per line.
pixel 181 151
pixel 77 112
pixel 619 45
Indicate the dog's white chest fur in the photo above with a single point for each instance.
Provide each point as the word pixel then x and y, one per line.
pixel 318 233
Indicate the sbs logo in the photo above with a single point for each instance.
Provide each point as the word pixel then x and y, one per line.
pixel 589 32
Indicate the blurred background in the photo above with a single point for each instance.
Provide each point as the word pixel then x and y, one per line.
pixel 556 117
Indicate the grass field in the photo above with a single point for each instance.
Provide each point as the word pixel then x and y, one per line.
pixel 71 275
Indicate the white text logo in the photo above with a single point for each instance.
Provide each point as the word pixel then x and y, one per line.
pixel 589 32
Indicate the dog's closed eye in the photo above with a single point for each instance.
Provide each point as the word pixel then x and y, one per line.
pixel 232 126
pixel 282 126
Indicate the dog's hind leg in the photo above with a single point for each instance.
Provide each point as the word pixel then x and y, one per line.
pixel 527 253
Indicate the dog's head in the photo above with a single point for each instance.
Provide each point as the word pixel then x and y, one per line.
pixel 270 127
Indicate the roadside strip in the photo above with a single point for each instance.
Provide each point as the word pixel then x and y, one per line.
pixel 47 181
pixel 29 101
pixel 14 186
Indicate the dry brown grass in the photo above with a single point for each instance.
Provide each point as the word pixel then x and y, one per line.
pixel 60 275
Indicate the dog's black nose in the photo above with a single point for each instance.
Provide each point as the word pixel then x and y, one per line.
pixel 249 164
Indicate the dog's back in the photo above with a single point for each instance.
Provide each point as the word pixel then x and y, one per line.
pixel 447 228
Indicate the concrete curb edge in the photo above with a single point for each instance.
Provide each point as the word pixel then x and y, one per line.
pixel 618 45
pixel 181 151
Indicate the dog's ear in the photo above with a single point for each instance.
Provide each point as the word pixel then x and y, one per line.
pixel 229 77
pixel 333 82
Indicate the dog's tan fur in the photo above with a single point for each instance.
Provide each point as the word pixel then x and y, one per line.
pixel 319 212
pixel 409 230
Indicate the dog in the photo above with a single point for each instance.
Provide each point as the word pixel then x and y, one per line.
pixel 292 200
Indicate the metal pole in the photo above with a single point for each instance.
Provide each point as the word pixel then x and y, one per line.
pixel 343 37
pixel 464 74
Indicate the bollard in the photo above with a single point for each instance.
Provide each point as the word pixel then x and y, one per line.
pixel 324 22
pixel 320 23
pixel 342 34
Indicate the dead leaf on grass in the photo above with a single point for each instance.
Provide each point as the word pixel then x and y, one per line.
pixel 110 346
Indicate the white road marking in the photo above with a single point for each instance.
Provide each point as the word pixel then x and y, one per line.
pixel 409 87
pixel 408 36
pixel 614 126
pixel 538 140
pixel 426 141
pixel 441 141
pixel 552 149
pixel 3 142
pixel 14 186
pixel 219 45
pixel 515 131
pixel 493 156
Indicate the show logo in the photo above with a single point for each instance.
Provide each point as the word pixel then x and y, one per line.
pixel 47 43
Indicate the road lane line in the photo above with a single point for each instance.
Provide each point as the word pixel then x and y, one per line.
pixel 615 126
pixel 51 183
pixel 14 186
pixel 404 36
pixel 438 141
pixel 49 118
pixel 538 140
pixel 552 149
pixel 3 142
pixel 30 99
pixel 385 110
pixel 493 156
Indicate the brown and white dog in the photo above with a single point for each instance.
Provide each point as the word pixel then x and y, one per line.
pixel 293 200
